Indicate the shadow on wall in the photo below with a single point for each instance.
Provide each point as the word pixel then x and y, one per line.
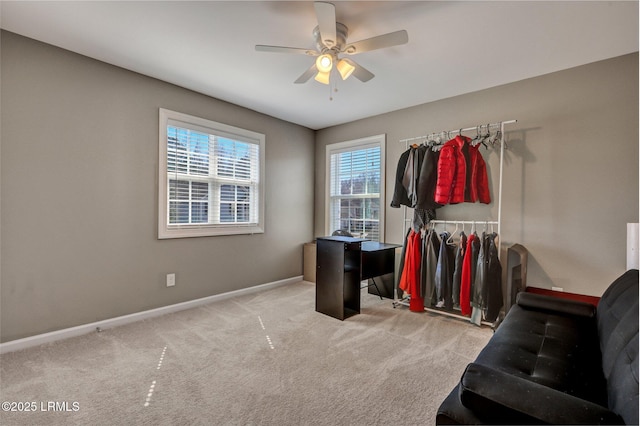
pixel 543 280
pixel 517 151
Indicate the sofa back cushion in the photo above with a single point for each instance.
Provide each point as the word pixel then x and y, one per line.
pixel 617 317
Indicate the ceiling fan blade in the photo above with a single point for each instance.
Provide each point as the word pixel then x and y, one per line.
pixel 379 42
pixel 306 75
pixel 281 49
pixel 326 13
pixel 361 73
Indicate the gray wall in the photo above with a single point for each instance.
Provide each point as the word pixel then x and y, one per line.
pixel 571 171
pixel 79 195
pixel 79 240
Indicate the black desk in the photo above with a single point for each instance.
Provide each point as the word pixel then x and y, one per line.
pixel 342 263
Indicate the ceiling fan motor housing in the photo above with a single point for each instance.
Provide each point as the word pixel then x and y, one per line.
pixel 341 34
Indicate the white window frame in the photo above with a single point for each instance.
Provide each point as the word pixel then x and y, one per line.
pixel 354 145
pixel 166 230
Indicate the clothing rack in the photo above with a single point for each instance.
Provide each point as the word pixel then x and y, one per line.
pixel 489 126
pixel 447 134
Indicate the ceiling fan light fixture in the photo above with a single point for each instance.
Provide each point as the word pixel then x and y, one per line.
pixel 345 68
pixel 322 77
pixel 324 63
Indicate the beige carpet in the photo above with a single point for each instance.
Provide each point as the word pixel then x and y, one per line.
pixel 266 358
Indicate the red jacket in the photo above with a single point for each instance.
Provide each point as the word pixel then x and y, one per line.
pixel 461 179
pixel 410 278
pixel 479 188
pixel 452 172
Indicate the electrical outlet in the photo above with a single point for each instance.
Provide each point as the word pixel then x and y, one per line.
pixel 171 280
pixel 557 289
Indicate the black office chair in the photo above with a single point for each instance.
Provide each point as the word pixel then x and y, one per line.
pixel 345 233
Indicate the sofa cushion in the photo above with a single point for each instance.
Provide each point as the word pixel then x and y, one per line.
pixel 555 305
pixel 521 401
pixel 617 317
pixel 558 351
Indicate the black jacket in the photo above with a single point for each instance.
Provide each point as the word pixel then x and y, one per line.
pixel 424 178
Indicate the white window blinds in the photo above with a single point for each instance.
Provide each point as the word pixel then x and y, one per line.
pixel 355 186
pixel 213 179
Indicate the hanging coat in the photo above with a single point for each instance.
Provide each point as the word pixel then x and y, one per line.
pixel 401 266
pixel 475 251
pixel 465 280
pixel 408 178
pixel 412 173
pixel 410 279
pixel 442 270
pixel 452 172
pixel 478 300
pixel 429 264
pixel 427 179
pixel 410 269
pixel 400 192
pixel 494 282
pixel 477 180
pixel 457 270
pixel 421 218
pixel 444 273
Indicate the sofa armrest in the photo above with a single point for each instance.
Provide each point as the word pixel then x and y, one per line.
pixel 499 397
pixel 555 304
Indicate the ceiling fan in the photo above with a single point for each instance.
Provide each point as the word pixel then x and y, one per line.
pixel 331 42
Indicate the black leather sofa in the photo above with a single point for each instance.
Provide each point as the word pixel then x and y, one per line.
pixel 555 361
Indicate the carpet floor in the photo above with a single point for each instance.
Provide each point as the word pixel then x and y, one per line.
pixel 261 359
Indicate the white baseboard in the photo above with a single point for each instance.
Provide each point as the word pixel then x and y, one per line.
pixel 27 342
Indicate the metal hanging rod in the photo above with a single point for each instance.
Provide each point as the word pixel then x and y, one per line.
pixel 464 222
pixel 466 129
pixel 474 223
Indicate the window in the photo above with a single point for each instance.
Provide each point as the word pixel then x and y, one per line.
pixel 210 178
pixel 355 187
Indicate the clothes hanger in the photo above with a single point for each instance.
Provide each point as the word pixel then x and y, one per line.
pixel 480 138
pixel 431 142
pixel 486 137
pixel 495 138
pixel 438 142
pixel 433 231
pixel 450 239
pixel 476 140
pixel 498 137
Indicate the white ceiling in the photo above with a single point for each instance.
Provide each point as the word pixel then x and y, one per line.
pixel 454 47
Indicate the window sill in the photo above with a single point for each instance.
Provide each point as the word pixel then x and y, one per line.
pixel 208 231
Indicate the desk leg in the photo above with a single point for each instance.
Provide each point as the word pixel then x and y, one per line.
pixel 383 287
pixel 372 282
